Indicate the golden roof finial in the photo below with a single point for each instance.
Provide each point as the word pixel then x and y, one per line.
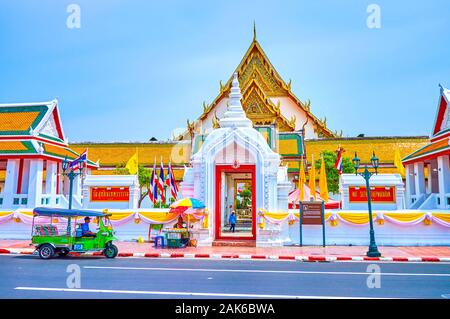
pixel 254 30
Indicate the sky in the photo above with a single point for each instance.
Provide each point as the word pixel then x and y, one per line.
pixel 139 69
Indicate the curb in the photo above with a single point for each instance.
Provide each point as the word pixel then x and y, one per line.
pixel 16 251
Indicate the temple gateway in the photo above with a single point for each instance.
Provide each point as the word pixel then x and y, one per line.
pixel 236 154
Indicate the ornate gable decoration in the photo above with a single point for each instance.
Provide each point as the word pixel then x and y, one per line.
pixel 255 67
pixel 260 109
pixel 442 122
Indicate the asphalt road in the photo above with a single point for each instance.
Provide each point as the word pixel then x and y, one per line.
pixel 24 276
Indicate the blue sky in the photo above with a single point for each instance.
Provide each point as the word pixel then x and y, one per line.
pixel 137 69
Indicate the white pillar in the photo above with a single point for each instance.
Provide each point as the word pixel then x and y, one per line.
pixel 419 178
pixel 50 181
pixel 25 176
pixel 35 183
pixel 77 186
pixel 410 185
pixel 443 178
pixel 10 188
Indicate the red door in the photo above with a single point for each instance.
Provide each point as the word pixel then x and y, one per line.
pixel 230 169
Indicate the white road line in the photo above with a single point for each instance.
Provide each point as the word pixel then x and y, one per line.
pixel 189 293
pixel 266 271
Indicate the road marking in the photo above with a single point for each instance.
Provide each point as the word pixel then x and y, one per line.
pixel 265 271
pixel 189 293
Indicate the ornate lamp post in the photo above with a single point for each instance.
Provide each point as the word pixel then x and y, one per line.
pixel 373 249
pixel 71 175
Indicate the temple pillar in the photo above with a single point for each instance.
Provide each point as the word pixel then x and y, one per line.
pixel 11 179
pixel 410 185
pixel 419 178
pixel 35 183
pixel 444 179
pixel 430 179
pixel 51 180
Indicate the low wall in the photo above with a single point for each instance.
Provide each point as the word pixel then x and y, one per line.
pixel 399 228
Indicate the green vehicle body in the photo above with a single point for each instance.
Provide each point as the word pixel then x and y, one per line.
pixel 70 242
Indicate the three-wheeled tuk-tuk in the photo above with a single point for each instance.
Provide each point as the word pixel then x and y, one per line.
pixel 64 236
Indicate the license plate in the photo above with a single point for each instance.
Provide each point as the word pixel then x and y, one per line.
pixel 78 247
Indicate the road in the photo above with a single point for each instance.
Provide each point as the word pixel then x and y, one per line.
pixel 25 276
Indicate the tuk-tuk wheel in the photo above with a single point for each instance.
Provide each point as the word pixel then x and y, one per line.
pixel 63 252
pixel 111 251
pixel 46 251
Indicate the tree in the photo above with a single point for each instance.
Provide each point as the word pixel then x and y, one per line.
pixel 144 175
pixel 332 173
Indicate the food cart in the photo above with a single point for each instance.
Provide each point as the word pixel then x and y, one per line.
pixel 176 237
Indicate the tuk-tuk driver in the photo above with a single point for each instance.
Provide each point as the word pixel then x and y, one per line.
pixel 85 228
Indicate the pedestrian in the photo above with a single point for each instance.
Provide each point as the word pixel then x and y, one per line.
pixel 232 221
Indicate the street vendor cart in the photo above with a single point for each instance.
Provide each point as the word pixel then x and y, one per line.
pixel 176 237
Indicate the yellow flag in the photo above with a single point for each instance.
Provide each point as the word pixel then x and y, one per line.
pixel 132 164
pixel 312 179
pixel 301 182
pixel 323 181
pixel 398 162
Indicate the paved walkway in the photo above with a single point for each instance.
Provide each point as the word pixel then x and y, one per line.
pixel 331 253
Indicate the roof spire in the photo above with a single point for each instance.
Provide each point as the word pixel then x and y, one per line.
pixel 254 30
pixel 235 114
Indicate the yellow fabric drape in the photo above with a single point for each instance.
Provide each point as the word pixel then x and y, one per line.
pixel 323 181
pixel 443 217
pixel 404 217
pixel 120 216
pixel 355 218
pixel 301 181
pixel 312 179
pixel 159 217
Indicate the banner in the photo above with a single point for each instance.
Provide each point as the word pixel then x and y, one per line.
pixel 378 194
pixel 110 194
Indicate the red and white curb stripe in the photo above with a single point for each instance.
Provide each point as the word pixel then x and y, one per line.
pixel 248 257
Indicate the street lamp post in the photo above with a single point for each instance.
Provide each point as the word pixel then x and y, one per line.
pixel 373 249
pixel 71 174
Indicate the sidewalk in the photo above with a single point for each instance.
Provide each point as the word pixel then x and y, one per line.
pixel 310 253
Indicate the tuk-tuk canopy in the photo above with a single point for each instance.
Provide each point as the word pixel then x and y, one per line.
pixel 45 211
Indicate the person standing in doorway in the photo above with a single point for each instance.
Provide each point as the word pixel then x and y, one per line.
pixel 232 221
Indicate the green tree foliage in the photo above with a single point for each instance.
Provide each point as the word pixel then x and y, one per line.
pixel 332 173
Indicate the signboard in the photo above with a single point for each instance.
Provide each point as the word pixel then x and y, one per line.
pixel 110 194
pixel 312 213
pixel 378 194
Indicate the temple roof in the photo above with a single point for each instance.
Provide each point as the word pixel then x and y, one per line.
pixel 33 130
pixel 255 67
pixel 442 112
pixel 432 150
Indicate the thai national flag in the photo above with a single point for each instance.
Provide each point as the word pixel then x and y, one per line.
pixel 161 182
pixel 79 162
pixel 170 181
pixel 152 187
pixel 338 164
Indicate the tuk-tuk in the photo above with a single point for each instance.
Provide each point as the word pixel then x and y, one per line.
pixel 66 236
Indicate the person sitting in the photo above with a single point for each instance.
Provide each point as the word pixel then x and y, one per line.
pixel 85 232
pixel 180 225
